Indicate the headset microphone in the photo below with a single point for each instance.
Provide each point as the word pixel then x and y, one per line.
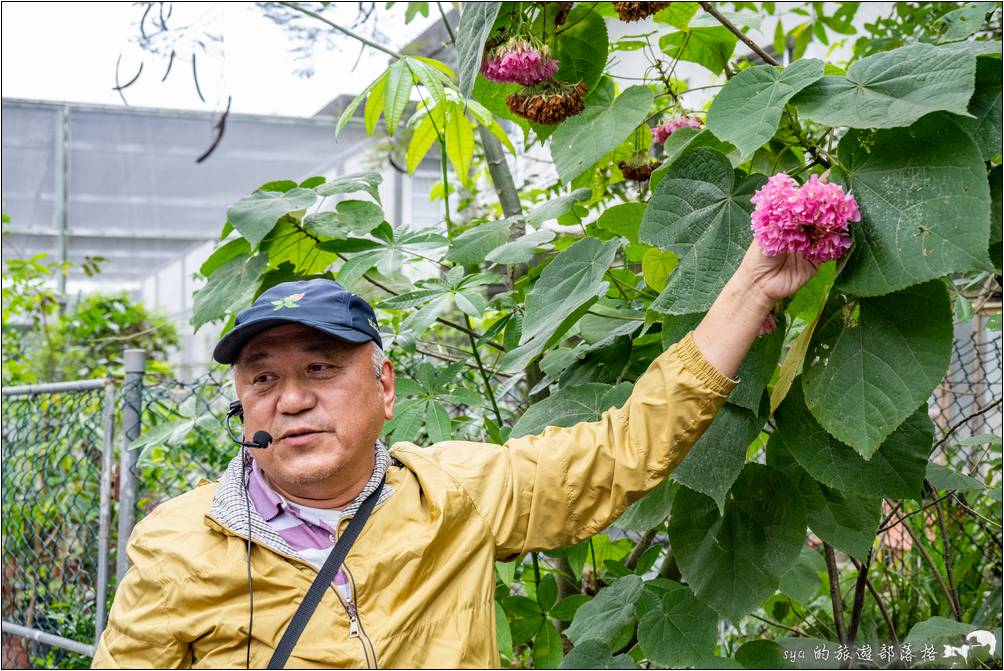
pixel 260 440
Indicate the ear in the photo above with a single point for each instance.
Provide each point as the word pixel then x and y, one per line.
pixel 386 382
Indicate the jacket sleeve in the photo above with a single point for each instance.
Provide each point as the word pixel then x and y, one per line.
pixel 566 484
pixel 139 632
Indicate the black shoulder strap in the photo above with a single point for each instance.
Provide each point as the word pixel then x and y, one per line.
pixel 322 582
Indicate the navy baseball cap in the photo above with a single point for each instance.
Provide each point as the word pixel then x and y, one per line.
pixel 320 304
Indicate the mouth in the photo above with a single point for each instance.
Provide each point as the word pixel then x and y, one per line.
pixel 301 436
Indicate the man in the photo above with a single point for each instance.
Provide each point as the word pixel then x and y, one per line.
pixel 416 589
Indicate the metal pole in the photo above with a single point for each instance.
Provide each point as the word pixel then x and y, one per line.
pixel 105 515
pixel 132 413
pixel 61 197
pixel 47 639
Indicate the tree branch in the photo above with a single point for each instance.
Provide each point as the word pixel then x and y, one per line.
pixel 838 604
pixel 767 58
pixel 859 597
pixel 947 556
pixel 880 604
pixel 353 35
pixel 643 544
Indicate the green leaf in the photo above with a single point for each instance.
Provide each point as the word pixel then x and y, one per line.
pixel 718 456
pixel 747 110
pixel 678 14
pixel 349 217
pixel 255 215
pixel 397 94
pixel 564 289
pixel 891 89
pixel 746 20
pixel 569 406
pixel 701 213
pixel 375 104
pixel 985 106
pixel 368 181
pixel 940 632
pixel 945 478
pixel 565 609
pixel 503 635
pixel 682 141
pixel 963 22
pixel 733 561
pixel 522 249
pixel 582 140
pixel 493 96
pixel 594 654
pixel 925 205
pixel 419 322
pixel 472 246
pixel 846 521
pixel 231 287
pixel 547 592
pixel 681 633
pixel 801 581
pixel 547 650
pixel 895 471
pixel 656 267
pixel 610 609
pixel 762 654
pixel 223 254
pixel 557 207
pixel 710 47
pixel 287 242
pixel 355 267
pixel 408 420
pixel 437 423
pixel 581 48
pixel 429 77
pixel 870 364
pixel 475 25
pixel 421 140
pixel 351 108
pixel 623 219
pixel 459 135
pixel 650 510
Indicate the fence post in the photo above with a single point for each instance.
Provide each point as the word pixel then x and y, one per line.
pixel 105 510
pixel 132 413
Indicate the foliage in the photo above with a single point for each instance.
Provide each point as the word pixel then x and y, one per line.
pixel 513 323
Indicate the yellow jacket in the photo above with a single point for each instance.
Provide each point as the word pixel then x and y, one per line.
pixel 422 570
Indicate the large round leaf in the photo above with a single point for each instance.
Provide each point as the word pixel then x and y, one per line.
pixel 255 215
pixel 985 107
pixel 891 88
pixel 733 561
pixel 895 471
pixel 682 632
pixel 593 654
pixel 846 521
pixel 581 47
pixel 718 456
pixel 748 109
pixel 925 205
pixel 611 609
pixel 571 405
pixel 873 361
pixel 700 211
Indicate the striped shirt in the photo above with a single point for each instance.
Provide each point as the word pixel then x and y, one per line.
pixel 310 531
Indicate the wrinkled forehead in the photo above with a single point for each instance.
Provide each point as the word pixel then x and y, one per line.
pixel 291 338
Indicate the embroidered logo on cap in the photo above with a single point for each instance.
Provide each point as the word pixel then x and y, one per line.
pixel 288 302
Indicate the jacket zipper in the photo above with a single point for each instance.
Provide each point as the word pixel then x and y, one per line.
pixel 355 614
pixel 355 626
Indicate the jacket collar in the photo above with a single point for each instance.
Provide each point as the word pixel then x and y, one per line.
pixel 230 507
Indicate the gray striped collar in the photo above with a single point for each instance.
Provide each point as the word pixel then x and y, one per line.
pixel 229 507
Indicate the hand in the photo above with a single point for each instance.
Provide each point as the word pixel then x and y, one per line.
pixel 776 276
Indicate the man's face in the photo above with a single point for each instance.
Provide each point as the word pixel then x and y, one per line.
pixel 321 401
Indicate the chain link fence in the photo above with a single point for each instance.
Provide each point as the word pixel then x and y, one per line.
pixel 63 553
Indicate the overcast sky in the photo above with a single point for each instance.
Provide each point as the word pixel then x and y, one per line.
pixel 68 51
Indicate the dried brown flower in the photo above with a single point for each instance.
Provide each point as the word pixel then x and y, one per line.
pixel 549 104
pixel 638 172
pixel 636 11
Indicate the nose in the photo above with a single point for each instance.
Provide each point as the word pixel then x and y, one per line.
pixel 294 398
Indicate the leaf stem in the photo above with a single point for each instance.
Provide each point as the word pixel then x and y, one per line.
pixel 767 58
pixel 838 604
pixel 484 373
pixel 370 43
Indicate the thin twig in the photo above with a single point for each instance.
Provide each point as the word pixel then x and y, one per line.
pixel 859 597
pixel 644 543
pixel 354 35
pixel 910 514
pixel 778 625
pixel 838 604
pixel 947 557
pixel 449 28
pixel 930 562
pixel 880 604
pixel 985 409
pixel 767 58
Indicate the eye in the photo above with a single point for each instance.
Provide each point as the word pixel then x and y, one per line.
pixel 320 367
pixel 262 379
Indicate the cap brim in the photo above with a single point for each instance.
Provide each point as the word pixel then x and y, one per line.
pixel 229 347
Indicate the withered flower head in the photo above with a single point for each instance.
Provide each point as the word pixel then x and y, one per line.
pixel 549 103
pixel 638 171
pixel 636 11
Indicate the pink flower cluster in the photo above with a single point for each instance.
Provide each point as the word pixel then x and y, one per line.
pixel 810 220
pixel 768 326
pixel 661 133
pixel 518 62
